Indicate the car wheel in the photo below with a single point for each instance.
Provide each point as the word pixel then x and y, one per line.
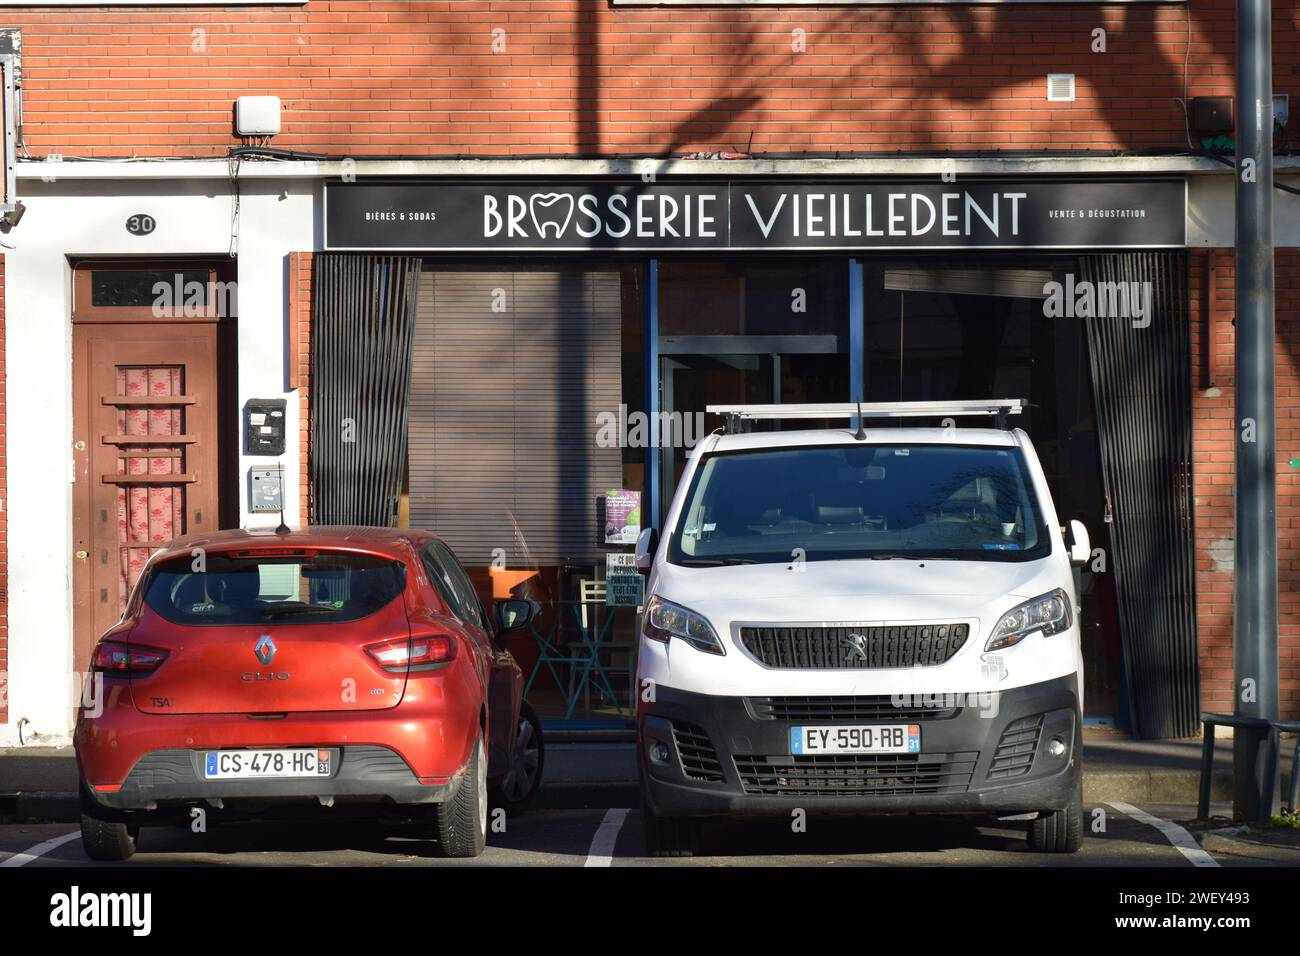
pixel 462 820
pixel 106 840
pixel 1059 831
pixel 668 836
pixel 521 782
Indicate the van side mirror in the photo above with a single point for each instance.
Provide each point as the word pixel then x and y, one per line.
pixel 512 615
pixel 1080 546
pixel 646 545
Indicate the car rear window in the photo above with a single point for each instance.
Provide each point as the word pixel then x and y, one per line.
pixel 305 586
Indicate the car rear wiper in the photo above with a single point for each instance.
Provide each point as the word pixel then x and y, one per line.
pixel 898 557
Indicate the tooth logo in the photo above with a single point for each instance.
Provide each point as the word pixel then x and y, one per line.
pixel 550 205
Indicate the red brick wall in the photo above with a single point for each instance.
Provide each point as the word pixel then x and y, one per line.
pixel 582 77
pixel 300 266
pixel 1213 451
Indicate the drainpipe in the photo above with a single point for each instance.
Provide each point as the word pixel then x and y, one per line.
pixel 1254 620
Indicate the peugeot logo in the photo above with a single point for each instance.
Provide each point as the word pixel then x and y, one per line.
pixel 265 649
pixel 855 646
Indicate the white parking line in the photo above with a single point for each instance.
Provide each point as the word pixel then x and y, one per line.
pixel 602 844
pixel 38 851
pixel 1182 841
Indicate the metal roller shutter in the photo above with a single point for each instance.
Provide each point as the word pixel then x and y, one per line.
pixel 510 372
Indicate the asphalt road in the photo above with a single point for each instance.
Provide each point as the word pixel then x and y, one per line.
pixel 597 836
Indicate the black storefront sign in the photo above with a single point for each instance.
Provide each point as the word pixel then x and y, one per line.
pixel 755 215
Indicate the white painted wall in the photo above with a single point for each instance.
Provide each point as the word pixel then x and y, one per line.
pixel 87 217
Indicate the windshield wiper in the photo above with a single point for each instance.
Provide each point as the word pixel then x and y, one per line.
pixel 898 557
pixel 715 562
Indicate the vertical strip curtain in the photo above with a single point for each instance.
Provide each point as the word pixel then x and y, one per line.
pixel 364 320
pixel 1141 370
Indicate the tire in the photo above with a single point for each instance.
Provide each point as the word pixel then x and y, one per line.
pixel 462 820
pixel 668 836
pixel 106 840
pixel 1059 831
pixel 516 790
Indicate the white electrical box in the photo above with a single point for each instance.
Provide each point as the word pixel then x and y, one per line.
pixel 257 115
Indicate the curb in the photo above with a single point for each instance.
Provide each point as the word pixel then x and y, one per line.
pixel 1135 785
pixel 40 807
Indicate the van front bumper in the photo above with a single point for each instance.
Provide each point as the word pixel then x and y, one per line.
pixel 705 755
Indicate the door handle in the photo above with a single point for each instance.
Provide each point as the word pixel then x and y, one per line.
pixel 82 555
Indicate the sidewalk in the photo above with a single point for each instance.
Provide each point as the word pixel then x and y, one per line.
pixel 41 783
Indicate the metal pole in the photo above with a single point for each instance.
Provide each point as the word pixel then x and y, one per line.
pixel 857 323
pixel 1255 660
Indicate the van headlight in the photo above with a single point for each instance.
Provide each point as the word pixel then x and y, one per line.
pixel 663 620
pixel 1049 613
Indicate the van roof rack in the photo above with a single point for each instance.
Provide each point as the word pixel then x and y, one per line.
pixel 739 417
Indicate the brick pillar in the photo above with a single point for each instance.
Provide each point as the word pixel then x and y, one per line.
pixel 300 308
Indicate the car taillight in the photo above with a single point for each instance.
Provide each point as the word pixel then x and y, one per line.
pixel 115 657
pixel 420 652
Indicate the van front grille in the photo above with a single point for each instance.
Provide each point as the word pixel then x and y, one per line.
pixel 856 775
pixel 908 707
pixel 854 648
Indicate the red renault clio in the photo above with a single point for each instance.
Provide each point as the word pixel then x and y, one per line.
pixel 330 665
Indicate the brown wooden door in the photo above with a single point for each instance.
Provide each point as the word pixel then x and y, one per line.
pixel 145 453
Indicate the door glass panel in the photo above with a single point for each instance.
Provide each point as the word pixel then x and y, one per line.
pixel 691 384
pixel 753 297
pixel 135 287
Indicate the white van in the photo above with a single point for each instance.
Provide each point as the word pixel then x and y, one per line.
pixel 860 621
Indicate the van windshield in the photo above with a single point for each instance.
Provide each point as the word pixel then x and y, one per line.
pixel 956 502
pixel 309 586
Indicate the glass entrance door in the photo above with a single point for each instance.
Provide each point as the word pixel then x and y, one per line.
pixel 746 331
pixel 692 381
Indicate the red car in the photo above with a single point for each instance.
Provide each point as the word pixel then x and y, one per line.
pixel 333 666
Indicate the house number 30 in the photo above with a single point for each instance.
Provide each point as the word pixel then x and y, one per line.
pixel 141 224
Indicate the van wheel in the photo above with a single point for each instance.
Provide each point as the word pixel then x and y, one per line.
pixel 1059 831
pixel 462 820
pixel 669 836
pixel 105 840
pixel 521 782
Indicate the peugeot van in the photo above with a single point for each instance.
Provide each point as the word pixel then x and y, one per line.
pixel 861 621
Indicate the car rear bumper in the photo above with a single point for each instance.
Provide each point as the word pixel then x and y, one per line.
pixel 362 774
pixel 411 753
pixel 726 755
